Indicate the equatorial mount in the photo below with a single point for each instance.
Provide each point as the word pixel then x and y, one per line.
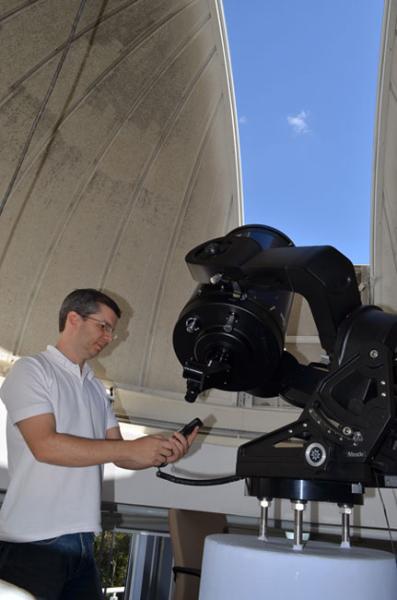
pixel 230 335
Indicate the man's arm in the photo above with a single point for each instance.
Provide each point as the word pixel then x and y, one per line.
pixel 49 446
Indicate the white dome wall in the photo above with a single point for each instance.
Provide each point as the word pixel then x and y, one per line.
pixel 133 163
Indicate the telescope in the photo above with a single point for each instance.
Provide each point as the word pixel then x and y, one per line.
pixel 230 336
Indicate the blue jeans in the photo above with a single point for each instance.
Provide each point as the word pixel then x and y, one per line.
pixel 61 568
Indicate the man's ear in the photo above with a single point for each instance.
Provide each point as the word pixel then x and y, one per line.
pixel 73 319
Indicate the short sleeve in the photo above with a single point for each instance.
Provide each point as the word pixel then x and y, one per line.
pixel 25 391
pixel 109 416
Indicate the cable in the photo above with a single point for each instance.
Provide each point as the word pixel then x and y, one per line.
pixel 42 107
pixel 197 482
pixel 386 517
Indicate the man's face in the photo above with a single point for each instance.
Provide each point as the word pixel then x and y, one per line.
pixel 94 332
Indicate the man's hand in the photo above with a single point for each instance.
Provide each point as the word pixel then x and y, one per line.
pixel 181 444
pixel 154 450
pixel 149 451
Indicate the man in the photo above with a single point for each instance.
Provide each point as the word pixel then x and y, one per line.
pixel 60 432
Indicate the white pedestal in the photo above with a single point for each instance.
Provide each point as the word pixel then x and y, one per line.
pixel 239 567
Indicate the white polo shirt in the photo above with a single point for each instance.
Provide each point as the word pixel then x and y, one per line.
pixel 44 501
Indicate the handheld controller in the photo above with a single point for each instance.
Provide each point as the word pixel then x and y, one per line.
pixel 185 431
pixel 189 427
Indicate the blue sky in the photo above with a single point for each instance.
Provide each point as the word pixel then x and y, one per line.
pixel 305 75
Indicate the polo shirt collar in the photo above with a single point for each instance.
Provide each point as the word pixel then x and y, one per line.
pixel 57 357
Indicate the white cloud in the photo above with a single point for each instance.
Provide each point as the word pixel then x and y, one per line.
pixel 243 120
pixel 299 122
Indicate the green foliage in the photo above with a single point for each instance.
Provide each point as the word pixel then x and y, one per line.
pixel 111 553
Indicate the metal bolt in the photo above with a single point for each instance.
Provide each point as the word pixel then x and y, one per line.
pixel 373 354
pixel 212 248
pixel 192 324
pixel 265 503
pixel 357 436
pixel 346 509
pixel 347 430
pixel 231 320
pixel 216 278
pixel 299 507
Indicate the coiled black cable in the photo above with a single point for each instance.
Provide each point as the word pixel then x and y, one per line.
pixel 197 482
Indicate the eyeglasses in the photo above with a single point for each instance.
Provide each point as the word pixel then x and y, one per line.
pixel 105 327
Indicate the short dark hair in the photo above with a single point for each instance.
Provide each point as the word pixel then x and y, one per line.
pixel 85 302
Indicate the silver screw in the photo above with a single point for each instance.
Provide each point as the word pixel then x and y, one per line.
pixel 216 278
pixel 298 507
pixel 373 353
pixel 228 327
pixel 192 324
pixel 357 436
